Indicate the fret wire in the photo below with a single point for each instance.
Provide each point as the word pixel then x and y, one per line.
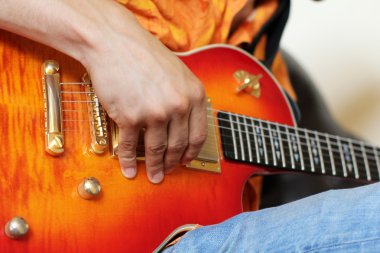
pixel 342 158
pixel 300 150
pixel 281 146
pixel 368 173
pixel 309 131
pixel 320 155
pixel 264 143
pixel 248 141
pixel 331 155
pixel 272 145
pixel 295 128
pixel 308 168
pixel 240 139
pixel 233 136
pixel 309 150
pixel 354 160
pixel 256 143
pixel 301 143
pixel 290 149
pixel 377 160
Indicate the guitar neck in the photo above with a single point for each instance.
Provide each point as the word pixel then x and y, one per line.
pixel 283 147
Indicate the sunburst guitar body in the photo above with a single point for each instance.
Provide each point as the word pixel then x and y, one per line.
pixel 127 215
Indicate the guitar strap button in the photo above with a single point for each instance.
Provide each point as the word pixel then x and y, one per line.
pixel 16 228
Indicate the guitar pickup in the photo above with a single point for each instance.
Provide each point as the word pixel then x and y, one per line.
pixel 54 140
pixel 207 160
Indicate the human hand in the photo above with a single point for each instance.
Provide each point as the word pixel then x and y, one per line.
pixel 143 85
pixel 140 83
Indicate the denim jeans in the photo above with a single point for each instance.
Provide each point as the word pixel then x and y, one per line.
pixel 333 221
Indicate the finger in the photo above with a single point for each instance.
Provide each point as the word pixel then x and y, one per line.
pixel 155 148
pixel 128 138
pixel 197 132
pixel 178 139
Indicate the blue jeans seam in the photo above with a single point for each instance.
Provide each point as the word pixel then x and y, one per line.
pixel 341 244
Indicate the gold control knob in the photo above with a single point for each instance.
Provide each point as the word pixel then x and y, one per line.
pixel 90 188
pixel 16 228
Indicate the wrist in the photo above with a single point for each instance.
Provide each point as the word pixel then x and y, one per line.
pixel 101 34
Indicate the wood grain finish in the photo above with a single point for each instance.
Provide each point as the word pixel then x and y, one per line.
pixel 131 215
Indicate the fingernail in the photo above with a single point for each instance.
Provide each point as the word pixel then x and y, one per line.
pixel 157 177
pixel 129 172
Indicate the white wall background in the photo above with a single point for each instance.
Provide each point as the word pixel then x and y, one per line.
pixel 338 43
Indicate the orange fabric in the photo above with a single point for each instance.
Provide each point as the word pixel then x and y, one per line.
pixel 184 25
pixel 187 24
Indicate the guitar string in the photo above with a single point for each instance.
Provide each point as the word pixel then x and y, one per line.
pixel 252 119
pixel 371 159
pixel 268 129
pixel 307 166
pixel 318 167
pixel 238 115
pixel 306 159
pixel 260 120
pixel 322 141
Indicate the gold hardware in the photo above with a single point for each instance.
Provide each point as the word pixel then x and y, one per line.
pixel 16 228
pixel 207 160
pixel 53 108
pixel 248 82
pixel 90 188
pixel 97 119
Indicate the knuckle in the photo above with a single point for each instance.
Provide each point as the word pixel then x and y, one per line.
pixel 199 93
pixel 181 106
pixel 198 140
pixel 158 116
pixel 127 145
pixel 112 111
pixel 157 149
pixel 177 147
pixel 126 120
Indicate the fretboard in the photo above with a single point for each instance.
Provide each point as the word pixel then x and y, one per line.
pixel 256 141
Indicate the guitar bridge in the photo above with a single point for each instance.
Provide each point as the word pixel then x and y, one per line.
pixel 97 119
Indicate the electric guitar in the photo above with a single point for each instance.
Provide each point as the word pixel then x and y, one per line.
pixel 61 188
